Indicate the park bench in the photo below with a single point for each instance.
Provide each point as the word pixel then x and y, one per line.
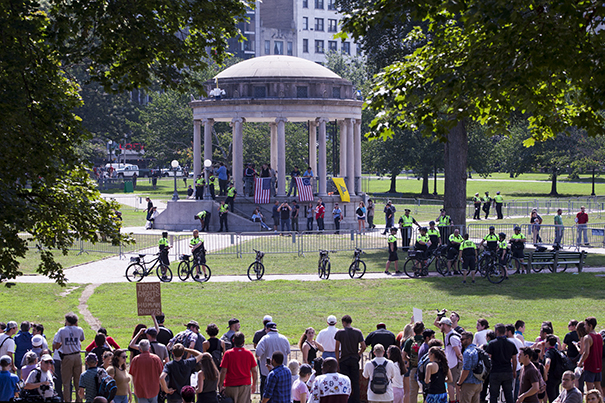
pixel 549 260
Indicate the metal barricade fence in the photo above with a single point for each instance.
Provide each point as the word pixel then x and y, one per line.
pixel 479 231
pixel 546 234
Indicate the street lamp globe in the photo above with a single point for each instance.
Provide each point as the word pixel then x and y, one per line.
pixel 174 164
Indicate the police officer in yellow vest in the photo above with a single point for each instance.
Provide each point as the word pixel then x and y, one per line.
pixel 164 246
pixel 405 225
pixel 199 252
pixel 491 240
pixel 434 236
pixel 517 245
pixel 477 204
pixel 499 201
pixel 487 203
pixel 204 217
pixel 392 240
pixel 421 246
pixel 199 188
pixel 468 255
pixel 231 193
pixel 443 222
pixel 223 211
pixel 455 241
pixel 211 182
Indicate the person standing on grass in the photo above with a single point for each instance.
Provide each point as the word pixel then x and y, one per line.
pixel 411 349
pixel 278 388
pixel 582 223
pixel 569 393
pixel 68 339
pixel 330 386
pixel 498 202
pixel 392 241
pixel 178 372
pixel 371 214
pixel 370 370
pixel 504 360
pixel 469 387
pixel 592 352
pixel 559 228
pixel 437 374
pixel 8 380
pixel 453 353
pixel 510 336
pixel 350 343
pixel 238 371
pixel 325 337
pixel 405 224
pixel 272 342
pixel 468 256
pixel 530 378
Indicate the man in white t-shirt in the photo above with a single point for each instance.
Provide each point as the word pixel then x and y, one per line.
pixel 7 344
pixel 482 329
pixel 453 353
pixel 331 386
pixel 326 338
pixel 369 371
pixel 41 378
pixel 510 336
pixel 69 340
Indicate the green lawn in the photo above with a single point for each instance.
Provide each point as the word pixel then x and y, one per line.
pixel 296 305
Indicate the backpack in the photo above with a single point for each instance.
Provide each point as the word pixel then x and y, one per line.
pixel 106 385
pixel 421 370
pixel 484 365
pixel 183 338
pixel 565 363
pixel 380 380
pixel 359 211
pixel 414 354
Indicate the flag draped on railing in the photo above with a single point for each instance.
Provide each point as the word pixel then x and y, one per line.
pixel 305 190
pixel 262 190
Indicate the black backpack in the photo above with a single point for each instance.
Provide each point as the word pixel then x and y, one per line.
pixel 484 365
pixel 106 385
pixel 380 380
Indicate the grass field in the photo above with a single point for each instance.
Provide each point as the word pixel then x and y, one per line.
pixel 296 305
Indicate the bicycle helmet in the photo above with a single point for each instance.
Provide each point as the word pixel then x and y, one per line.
pixel 423 229
pixel 502 235
pixel 432 223
pixel 491 227
pixel 517 228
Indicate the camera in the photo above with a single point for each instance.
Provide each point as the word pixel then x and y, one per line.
pixel 441 313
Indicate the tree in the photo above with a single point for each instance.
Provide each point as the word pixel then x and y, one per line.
pixel 46 193
pixel 590 157
pixel 482 61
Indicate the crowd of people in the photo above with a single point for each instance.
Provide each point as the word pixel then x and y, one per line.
pixel 159 365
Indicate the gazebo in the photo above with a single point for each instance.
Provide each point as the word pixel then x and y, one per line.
pixel 280 89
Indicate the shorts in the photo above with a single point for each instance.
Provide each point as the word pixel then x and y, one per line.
pixel 440 398
pixel 276 221
pixel 592 376
pixel 468 263
pixel 393 256
pixel 518 253
pixel 451 253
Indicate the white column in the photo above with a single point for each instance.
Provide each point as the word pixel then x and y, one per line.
pixel 281 156
pixel 322 173
pixel 350 157
pixel 357 142
pixel 273 127
pixel 208 124
pixel 343 148
pixel 313 146
pixel 197 148
pixel 237 164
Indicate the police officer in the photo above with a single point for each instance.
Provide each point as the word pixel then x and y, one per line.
pixel 392 242
pixel 204 217
pixel 199 188
pixel 231 193
pixel 477 204
pixel 499 201
pixel 164 246
pixel 491 240
pixel 443 222
pixel 434 236
pixel 421 246
pixel 211 182
pixel 199 252
pixel 487 203
pixel 405 225
pixel 517 245
pixel 223 210
pixel 455 241
pixel 468 255
pixel 502 248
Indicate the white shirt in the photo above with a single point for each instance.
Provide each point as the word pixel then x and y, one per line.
pixel 452 341
pixel 44 376
pixel 70 338
pixel 368 372
pixel 480 337
pixel 519 344
pixel 270 343
pixel 8 346
pixel 326 338
pixel 398 378
pixel 329 385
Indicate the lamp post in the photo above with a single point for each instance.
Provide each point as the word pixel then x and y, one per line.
pixel 175 165
pixel 207 164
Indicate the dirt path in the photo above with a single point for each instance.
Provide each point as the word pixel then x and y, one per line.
pixel 93 322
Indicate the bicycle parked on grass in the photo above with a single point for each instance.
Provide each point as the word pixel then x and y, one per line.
pixel 257 268
pixel 138 268
pixel 417 265
pixel 323 266
pixel 358 268
pixel 192 268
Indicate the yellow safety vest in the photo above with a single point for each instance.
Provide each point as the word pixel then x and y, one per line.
pixel 498 199
pixel 444 220
pixel 407 220
pixel 231 192
pixel 224 208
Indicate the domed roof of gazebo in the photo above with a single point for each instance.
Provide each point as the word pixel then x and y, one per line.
pixel 277 66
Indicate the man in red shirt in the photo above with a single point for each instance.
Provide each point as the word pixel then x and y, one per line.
pixel 238 371
pixel 320 211
pixel 145 370
pixel 592 353
pixel 581 220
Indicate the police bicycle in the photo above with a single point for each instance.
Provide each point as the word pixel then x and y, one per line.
pixel 358 268
pixel 139 268
pixel 489 266
pixel 198 271
pixel 323 265
pixel 417 265
pixel 257 268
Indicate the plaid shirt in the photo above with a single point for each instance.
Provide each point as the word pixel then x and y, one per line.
pixel 279 385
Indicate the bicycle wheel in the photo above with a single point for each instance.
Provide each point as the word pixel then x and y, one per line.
pixel 410 270
pixel 537 267
pixel 164 273
pixel 183 271
pixel 325 270
pixel 135 272
pixel 201 273
pixel 357 269
pixel 561 268
pixel 256 271
pixel 496 273
pixel 441 265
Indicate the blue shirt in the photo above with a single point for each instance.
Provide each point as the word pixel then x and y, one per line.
pixel 8 385
pixel 88 382
pixel 23 343
pixel 336 213
pixel 470 359
pixel 221 172
pixel 279 385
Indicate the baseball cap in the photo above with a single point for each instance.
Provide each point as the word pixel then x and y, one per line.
pixel 151 331
pixel 11 325
pixel 271 325
pixel 37 340
pixel 233 321
pixel 193 323
pixel 46 357
pixel 445 321
pixel 5 360
pixel 91 357
pixel 331 320
pixel 267 318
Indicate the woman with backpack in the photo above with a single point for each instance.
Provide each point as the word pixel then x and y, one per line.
pixel 436 376
pixel 207 380
pixel 214 346
pixel 394 354
pixel 118 372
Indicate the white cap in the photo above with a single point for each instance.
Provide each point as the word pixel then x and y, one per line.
pixel 5 360
pixel 267 318
pixel 331 320
pixel 445 321
pixel 37 340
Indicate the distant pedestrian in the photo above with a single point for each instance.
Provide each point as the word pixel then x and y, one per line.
pixel 389 217
pixel 199 188
pixel 353 345
pixel 284 216
pixel 278 388
pixel 559 229
pixel 320 212
pixel 499 202
pixel 294 215
pixel 535 221
pixel 223 212
pixel 406 222
pixel 223 179
pixel 487 203
pixel 371 214
pixel 238 371
pixel 361 217
pixel 477 205
pixel 231 194
pixel 310 215
pixel 581 221
pixel 444 222
pixel 326 338
pixel 392 247
pixel 337 216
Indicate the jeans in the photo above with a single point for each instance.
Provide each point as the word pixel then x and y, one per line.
pixel 517 385
pixel 350 367
pixel 249 183
pixel 582 229
pixel 558 235
pixel 120 399
pixel 320 224
pixel 310 224
pixel 285 225
pixel 295 224
pixel 152 400
pixel 337 224
pixel 292 188
pixel 504 379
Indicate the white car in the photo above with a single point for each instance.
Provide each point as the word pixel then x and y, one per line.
pixel 128 171
pixel 166 172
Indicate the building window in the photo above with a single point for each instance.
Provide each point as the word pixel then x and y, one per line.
pixel 267 47
pixel 346 48
pixel 332 46
pixel 260 92
pixel 305 46
pixel 331 5
pixel 289 48
pixel 332 25
pixel 319 24
pixel 305 3
pixel 305 23
pixel 301 92
pixel 357 50
pixel 319 46
pixel 319 4
pixel 248 43
pixel 278 47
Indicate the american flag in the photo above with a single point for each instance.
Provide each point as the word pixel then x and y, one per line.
pixel 262 190
pixel 305 190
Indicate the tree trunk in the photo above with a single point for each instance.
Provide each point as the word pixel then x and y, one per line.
pixel 425 184
pixel 553 187
pixel 393 188
pixel 456 153
pixel 435 182
pixel 593 172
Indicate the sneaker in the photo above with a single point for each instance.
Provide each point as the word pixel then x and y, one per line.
pixel 398 272
pixel 164 277
pixel 387 272
pixel 473 281
pixel 197 276
pixel 463 281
